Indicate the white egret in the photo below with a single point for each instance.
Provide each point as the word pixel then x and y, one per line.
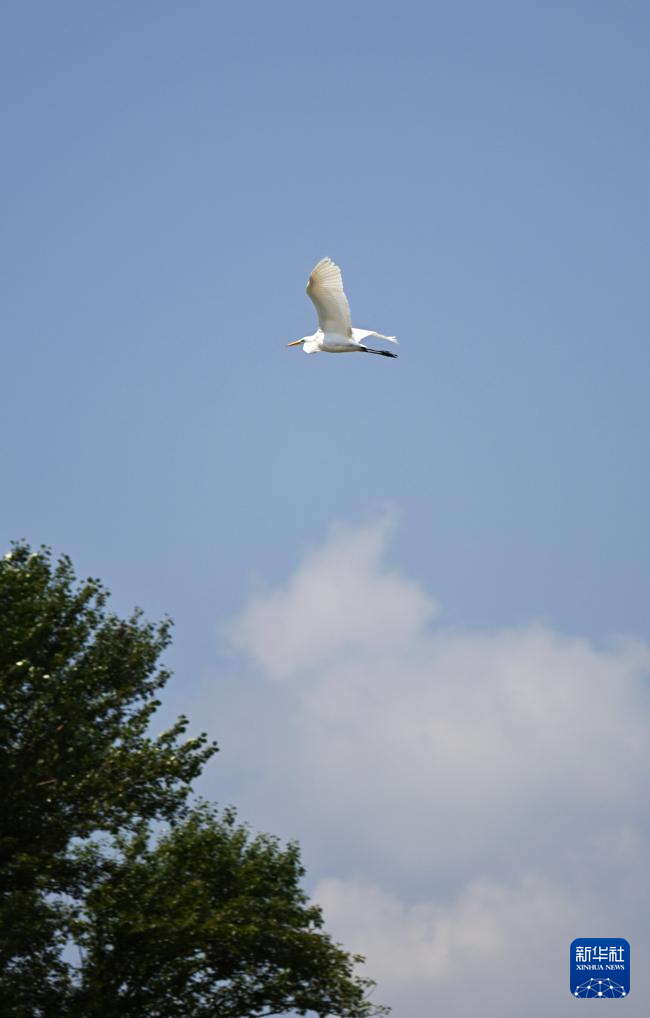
pixel 335 333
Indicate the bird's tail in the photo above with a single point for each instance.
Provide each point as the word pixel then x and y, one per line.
pixel 361 334
pixel 380 353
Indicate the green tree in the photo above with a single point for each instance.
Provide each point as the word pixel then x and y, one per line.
pixel 171 908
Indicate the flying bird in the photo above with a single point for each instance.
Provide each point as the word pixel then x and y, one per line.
pixel 335 333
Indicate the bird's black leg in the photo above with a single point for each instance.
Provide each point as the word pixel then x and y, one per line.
pixel 380 353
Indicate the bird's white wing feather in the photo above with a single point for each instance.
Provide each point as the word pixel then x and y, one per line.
pixel 325 288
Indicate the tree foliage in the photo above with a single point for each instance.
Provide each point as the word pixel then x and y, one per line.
pixel 120 894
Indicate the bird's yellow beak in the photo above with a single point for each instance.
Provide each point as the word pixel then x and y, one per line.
pixel 296 342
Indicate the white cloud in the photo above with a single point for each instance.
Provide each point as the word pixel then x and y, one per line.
pixel 483 952
pixel 452 790
pixel 325 608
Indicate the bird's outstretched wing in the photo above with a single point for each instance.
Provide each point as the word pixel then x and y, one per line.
pixel 325 288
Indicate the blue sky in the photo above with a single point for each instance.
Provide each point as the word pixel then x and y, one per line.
pixel 170 174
